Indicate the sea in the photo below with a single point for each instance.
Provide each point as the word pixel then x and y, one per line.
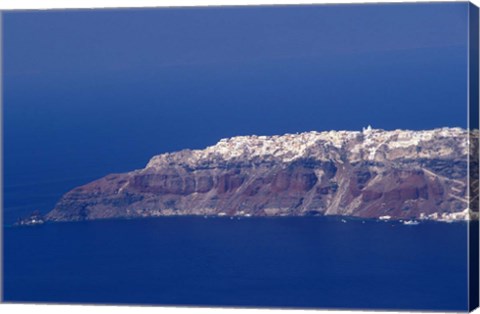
pixel 72 116
pixel 284 262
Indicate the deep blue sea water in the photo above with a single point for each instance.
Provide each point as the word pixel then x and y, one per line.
pixel 262 262
pixel 91 93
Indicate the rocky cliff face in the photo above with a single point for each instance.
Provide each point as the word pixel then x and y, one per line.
pixel 374 173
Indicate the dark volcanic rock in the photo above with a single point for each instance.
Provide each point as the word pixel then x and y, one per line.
pixel 374 173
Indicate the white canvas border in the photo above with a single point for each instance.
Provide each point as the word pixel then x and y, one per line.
pixel 66 4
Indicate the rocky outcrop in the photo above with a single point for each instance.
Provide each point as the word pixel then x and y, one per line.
pixel 402 174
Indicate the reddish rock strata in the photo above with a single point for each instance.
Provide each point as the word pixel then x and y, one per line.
pixel 363 174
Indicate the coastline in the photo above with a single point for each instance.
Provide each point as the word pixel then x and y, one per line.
pixel 337 218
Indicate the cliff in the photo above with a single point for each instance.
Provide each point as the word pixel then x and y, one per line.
pixel 400 174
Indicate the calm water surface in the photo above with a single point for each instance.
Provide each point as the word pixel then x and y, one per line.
pixel 77 123
pixel 264 262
